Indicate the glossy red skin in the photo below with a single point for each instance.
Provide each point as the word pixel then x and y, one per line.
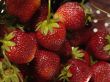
pixel 97 43
pixel 72 15
pixel 24 50
pixel 101 72
pixel 40 15
pixel 43 11
pixel 86 58
pixel 23 9
pixel 65 49
pixel 47 65
pixel 81 71
pixel 52 41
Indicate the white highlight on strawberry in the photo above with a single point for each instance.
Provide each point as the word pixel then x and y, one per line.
pixel 108 15
pixel 95 21
pixel 106 24
pixel 98 11
pixel 4 2
pixel 95 30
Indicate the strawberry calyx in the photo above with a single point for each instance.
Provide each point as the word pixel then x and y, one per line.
pixel 65 74
pixel 88 12
pixel 107 47
pixel 77 53
pixel 6 42
pixel 47 25
pixel 9 74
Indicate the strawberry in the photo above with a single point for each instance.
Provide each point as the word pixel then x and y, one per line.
pixel 72 15
pixel 76 71
pixel 51 33
pixel 65 49
pixel 101 72
pixel 23 9
pixel 78 38
pixel 40 15
pixel 42 12
pixel 99 45
pixel 47 65
pixel 81 55
pixel 19 46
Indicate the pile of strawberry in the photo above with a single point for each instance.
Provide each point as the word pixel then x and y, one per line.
pixel 51 47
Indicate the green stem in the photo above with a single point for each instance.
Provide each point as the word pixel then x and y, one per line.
pixel 100 9
pixel 49 10
pixel 1 41
pixel 82 3
pixel 6 58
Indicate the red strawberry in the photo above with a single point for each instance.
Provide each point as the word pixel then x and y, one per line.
pixel 40 15
pixel 20 47
pixel 76 71
pixel 65 49
pixel 100 45
pixel 52 40
pixel 51 33
pixel 81 55
pixel 23 9
pixel 72 15
pixel 42 12
pixel 47 65
pixel 101 72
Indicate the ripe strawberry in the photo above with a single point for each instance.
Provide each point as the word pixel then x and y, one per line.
pixel 39 16
pixel 47 65
pixel 42 12
pixel 65 50
pixel 101 72
pixel 53 40
pixel 72 15
pixel 100 45
pixel 76 71
pixel 20 47
pixel 81 55
pixel 23 9
pixel 51 33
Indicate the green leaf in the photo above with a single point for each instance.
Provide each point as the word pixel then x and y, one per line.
pixel 15 78
pixel 107 47
pixel 108 38
pixel 7 80
pixel 7 48
pixel 9 43
pixel 46 27
pixel 9 36
pixel 78 54
pixel 55 25
pixel 69 74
